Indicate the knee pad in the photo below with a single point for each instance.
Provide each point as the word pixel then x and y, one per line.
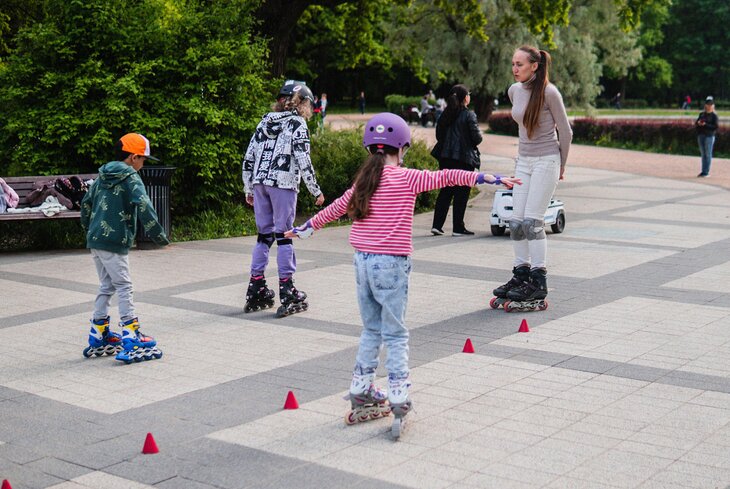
pixel 534 229
pixel 281 240
pixel 516 232
pixel 267 239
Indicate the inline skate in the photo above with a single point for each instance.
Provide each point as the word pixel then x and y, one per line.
pixel 520 276
pixel 102 341
pixel 367 401
pixel 292 300
pixel 400 405
pixel 136 347
pixel 530 296
pixel 258 296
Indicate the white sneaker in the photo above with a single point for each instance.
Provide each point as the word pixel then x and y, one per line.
pixel 437 232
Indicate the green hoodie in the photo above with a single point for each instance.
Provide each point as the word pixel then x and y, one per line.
pixel 111 207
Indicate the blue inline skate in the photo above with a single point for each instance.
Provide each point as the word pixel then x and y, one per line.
pixel 102 341
pixel 136 347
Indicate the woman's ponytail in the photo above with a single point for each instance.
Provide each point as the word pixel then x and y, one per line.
pixel 537 86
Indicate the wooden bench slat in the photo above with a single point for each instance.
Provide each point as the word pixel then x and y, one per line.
pixel 25 185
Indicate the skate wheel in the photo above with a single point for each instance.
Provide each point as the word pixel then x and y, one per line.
pixel 397 427
pixel 86 352
pixel 349 420
pixel 157 355
pixel 508 307
pixel 493 303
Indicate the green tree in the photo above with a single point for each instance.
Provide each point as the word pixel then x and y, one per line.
pixel 189 75
pixel 15 14
pixel 696 45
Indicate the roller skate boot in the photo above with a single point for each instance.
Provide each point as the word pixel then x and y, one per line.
pixel 520 275
pixel 367 401
pixel 292 300
pixel 530 296
pixel 102 341
pixel 400 405
pixel 136 346
pixel 258 296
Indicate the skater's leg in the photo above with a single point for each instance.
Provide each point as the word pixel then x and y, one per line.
pixel 106 289
pixel 389 276
pixel 117 267
pixel 284 206
pixel 370 311
pixel 265 226
pixel 523 170
pixel 545 175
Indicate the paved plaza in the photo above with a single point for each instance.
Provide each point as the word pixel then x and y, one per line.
pixel 624 382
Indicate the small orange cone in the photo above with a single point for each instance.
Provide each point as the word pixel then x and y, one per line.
pixel 291 401
pixel 6 485
pixel 524 328
pixel 150 445
pixel 468 347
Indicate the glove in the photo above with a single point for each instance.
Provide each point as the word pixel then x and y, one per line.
pixel 305 230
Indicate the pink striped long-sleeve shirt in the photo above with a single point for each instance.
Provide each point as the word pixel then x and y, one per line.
pixel 388 228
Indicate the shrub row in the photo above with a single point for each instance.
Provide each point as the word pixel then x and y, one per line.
pixel 397 103
pixel 660 136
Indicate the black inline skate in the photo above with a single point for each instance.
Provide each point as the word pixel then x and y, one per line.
pixel 258 296
pixel 530 296
pixel 292 300
pixel 520 276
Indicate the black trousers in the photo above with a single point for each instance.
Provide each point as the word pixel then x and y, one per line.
pixel 459 195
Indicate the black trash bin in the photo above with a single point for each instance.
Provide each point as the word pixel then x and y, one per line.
pixel 157 182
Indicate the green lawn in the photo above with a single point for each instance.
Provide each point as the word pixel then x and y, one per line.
pixel 634 112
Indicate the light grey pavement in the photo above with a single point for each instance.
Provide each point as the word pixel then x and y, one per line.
pixel 624 382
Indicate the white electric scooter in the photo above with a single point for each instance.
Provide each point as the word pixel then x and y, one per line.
pixel 502 212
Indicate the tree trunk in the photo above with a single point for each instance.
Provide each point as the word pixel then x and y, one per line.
pixel 278 20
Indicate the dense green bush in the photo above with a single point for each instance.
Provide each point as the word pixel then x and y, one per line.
pixel 39 234
pixel 674 137
pixel 398 103
pixel 190 75
pixel 336 156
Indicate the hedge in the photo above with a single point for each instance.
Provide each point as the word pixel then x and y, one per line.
pixel 658 136
pixel 398 103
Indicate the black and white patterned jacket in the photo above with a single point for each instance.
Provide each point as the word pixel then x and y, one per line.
pixel 278 154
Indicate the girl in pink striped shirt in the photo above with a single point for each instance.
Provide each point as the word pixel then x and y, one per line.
pixel 381 203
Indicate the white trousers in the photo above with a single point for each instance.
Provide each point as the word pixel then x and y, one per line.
pixel 530 200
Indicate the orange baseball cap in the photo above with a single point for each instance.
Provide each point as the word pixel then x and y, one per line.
pixel 137 145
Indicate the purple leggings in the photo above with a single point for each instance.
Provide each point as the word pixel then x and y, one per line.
pixel 274 209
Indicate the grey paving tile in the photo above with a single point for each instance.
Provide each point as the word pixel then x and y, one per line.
pixel 58 468
pixel 182 483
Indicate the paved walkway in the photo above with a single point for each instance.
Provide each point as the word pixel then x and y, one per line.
pixel 624 382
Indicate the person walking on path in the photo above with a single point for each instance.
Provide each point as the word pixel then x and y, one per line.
pixel 538 109
pixel 361 102
pixel 457 138
pixel 706 125
pixel 381 203
pixel 109 214
pixel 276 161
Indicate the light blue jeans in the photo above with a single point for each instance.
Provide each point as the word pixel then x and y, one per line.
pixel 382 293
pixel 706 143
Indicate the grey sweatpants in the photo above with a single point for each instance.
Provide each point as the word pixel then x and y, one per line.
pixel 113 271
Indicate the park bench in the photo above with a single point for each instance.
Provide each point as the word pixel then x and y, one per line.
pixel 25 185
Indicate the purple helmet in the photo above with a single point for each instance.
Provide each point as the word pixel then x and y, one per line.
pixel 387 129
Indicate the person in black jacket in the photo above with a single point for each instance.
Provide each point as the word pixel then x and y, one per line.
pixel 706 125
pixel 457 136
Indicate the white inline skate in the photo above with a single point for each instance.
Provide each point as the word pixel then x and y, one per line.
pixel 367 401
pixel 400 405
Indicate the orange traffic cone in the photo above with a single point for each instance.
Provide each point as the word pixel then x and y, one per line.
pixel 524 328
pixel 150 445
pixel 291 401
pixel 468 347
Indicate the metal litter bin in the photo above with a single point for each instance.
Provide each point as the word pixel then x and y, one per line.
pixel 157 182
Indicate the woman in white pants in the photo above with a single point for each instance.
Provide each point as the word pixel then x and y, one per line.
pixel 545 137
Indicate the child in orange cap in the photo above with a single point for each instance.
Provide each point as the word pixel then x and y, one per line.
pixel 109 214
